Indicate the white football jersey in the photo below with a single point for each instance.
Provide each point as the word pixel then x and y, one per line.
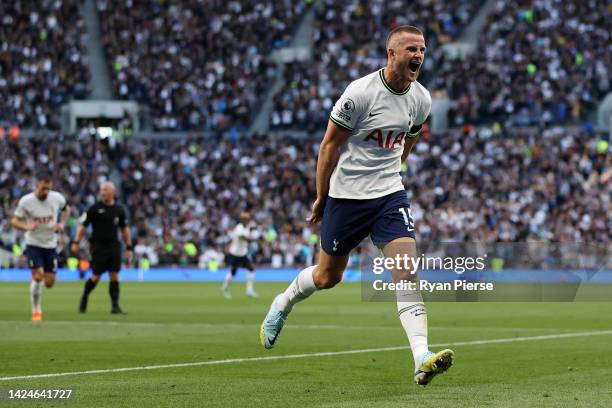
pixel 379 119
pixel 239 246
pixel 31 209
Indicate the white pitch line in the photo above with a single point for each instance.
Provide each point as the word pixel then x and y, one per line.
pixel 306 355
pixel 191 325
pixel 250 326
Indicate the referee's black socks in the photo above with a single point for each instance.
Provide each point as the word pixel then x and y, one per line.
pixel 113 290
pixel 89 286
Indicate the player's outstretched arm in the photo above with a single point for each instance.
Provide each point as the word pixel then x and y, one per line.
pixel 335 137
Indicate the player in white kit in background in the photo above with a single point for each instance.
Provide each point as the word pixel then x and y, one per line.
pixel 37 214
pixel 371 131
pixel 238 257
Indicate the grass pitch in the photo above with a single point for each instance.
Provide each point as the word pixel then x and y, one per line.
pixel 173 323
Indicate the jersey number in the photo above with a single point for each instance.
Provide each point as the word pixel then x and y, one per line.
pixel 408 220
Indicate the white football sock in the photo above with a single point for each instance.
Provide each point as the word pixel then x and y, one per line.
pixel 302 286
pixel 226 282
pixel 413 315
pixel 250 280
pixel 36 295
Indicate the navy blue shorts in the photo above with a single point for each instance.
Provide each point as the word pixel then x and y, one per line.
pixel 238 261
pixel 347 222
pixel 42 257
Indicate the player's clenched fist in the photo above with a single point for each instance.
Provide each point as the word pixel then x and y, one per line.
pixel 317 211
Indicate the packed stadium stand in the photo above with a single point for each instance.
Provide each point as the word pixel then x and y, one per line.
pixel 349 42
pixel 465 185
pixel 488 178
pixel 42 63
pixel 197 64
pixel 565 47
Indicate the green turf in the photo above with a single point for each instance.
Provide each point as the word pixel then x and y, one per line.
pixel 178 323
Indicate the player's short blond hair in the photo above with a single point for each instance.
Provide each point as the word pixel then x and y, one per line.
pixel 402 29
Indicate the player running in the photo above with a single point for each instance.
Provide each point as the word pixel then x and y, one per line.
pixel 105 217
pixel 371 131
pixel 37 215
pixel 238 257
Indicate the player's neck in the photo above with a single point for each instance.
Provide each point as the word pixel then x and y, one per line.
pixel 395 81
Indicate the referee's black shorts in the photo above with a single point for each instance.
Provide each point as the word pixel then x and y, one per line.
pixel 105 258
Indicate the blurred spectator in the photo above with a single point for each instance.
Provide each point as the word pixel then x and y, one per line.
pixel 349 42
pixel 41 61
pixel 199 64
pixel 184 195
pixel 538 62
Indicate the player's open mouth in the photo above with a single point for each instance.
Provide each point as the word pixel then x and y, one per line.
pixel 414 66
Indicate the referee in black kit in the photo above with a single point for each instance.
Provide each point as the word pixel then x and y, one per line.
pixel 105 217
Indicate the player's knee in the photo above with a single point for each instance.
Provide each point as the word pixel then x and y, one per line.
pixel 113 277
pixel 49 283
pixel 94 278
pixel 405 275
pixel 38 275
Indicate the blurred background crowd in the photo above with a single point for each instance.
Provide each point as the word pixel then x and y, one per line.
pixel 520 162
pixel 184 196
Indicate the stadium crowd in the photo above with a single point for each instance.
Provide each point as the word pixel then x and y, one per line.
pixel 564 47
pixel 198 64
pixel 155 49
pixel 41 61
pixel 349 42
pixel 204 65
pixel 467 185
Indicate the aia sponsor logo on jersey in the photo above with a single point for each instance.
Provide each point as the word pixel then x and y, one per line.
pixel 386 139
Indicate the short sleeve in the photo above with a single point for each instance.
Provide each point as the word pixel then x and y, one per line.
pixel 88 216
pixel 122 217
pixel 424 109
pixel 62 202
pixel 349 108
pixel 20 211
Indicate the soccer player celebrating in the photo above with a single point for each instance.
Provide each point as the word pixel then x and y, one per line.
pixel 105 217
pixel 37 214
pixel 371 131
pixel 238 257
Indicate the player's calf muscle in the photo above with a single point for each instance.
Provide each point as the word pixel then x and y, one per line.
pixel 329 270
pixel 325 279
